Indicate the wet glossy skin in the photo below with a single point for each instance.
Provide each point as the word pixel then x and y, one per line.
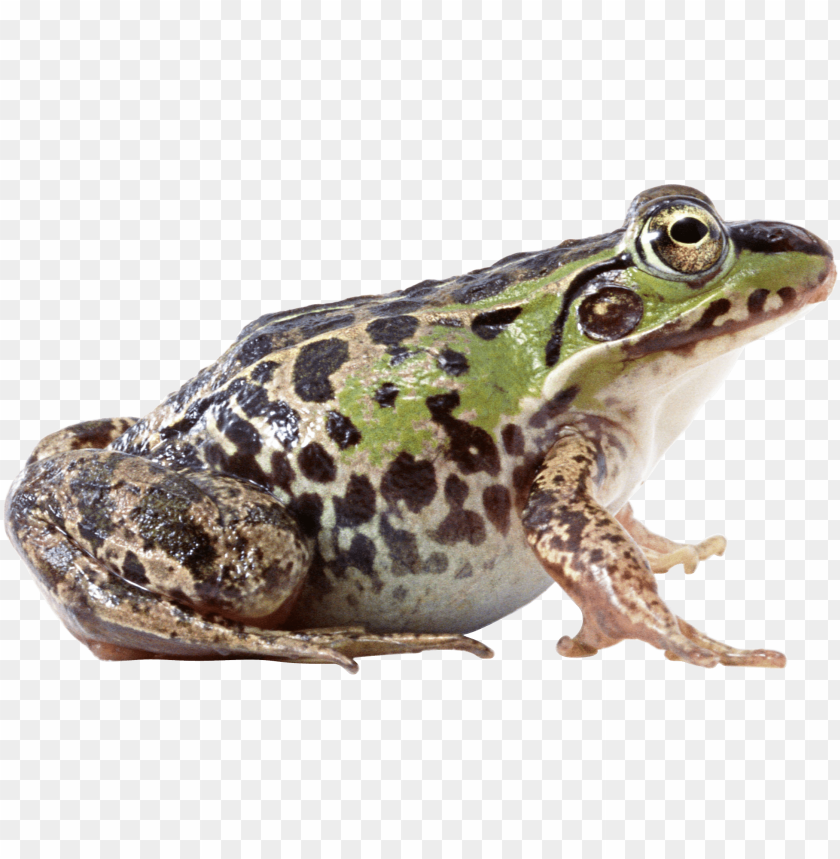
pixel 382 474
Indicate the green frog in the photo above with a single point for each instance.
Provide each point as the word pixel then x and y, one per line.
pixel 387 473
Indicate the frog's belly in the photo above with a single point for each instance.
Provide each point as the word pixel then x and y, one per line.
pixel 479 585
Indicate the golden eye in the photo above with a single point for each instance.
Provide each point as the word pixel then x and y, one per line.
pixel 683 239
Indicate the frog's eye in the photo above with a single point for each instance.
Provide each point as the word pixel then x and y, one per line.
pixel 683 239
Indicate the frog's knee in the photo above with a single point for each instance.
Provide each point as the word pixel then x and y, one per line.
pixel 88 434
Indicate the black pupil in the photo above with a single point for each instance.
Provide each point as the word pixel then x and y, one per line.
pixel 688 231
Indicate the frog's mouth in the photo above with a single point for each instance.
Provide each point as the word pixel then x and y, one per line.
pixel 739 319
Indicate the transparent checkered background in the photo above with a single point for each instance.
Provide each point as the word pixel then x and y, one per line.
pixel 170 171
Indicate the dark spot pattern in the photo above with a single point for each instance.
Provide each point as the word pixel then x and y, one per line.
pixel 471 448
pixel 307 510
pixel 409 480
pixel 390 331
pixel 554 407
pixel 496 501
pixel 358 504
pixel 436 564
pixel 316 464
pixel 490 325
pixel 264 372
pixel 282 474
pixel 717 308
pixel 342 430
pixel 283 420
pixel 757 299
pixel 402 548
pixel 133 570
pixel 314 365
pixel 453 363
pixel 386 395
pixel 459 525
pixel 513 440
pixel 360 556
pixel 465 572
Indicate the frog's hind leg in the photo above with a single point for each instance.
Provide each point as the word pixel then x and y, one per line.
pixel 141 561
pixel 662 553
pixel 596 562
pixel 88 434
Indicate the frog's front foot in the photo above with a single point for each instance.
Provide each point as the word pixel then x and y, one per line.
pixel 662 553
pixel 597 561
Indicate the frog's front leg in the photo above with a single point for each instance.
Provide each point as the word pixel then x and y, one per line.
pixel 142 561
pixel 662 553
pixel 601 567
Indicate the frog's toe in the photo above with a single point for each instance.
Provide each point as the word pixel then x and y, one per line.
pixel 688 555
pixel 728 655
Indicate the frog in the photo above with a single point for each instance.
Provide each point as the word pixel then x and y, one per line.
pixel 386 474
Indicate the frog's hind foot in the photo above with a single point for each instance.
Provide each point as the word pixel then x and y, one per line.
pixel 357 641
pixel 662 553
pixel 729 655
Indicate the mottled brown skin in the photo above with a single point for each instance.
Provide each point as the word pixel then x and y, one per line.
pixel 595 560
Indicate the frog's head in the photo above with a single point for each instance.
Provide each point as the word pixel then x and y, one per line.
pixel 681 288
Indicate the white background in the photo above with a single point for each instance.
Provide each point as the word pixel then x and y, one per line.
pixel 168 174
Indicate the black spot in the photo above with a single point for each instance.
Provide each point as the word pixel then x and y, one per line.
pixel 386 395
pixel 177 455
pixel 757 299
pixel 400 593
pixel 283 420
pixel 787 294
pixel 484 287
pixel 496 500
pixel 240 432
pixel 513 440
pixel 282 474
pixel 314 365
pixel 402 547
pixel 459 525
pixel 316 464
pixel 361 556
pixel 133 570
pixel 711 313
pixel 392 330
pixel 471 447
pixel 342 430
pixel 489 325
pixel 358 504
pixel 307 510
pixel 263 372
pixel 554 407
pixel 453 363
pixel 255 349
pixel 435 564
pixel 398 354
pixel 465 572
pixel 242 464
pixel 410 481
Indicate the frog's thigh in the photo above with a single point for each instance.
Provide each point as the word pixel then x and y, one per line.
pixel 596 562
pixel 88 434
pixel 137 559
